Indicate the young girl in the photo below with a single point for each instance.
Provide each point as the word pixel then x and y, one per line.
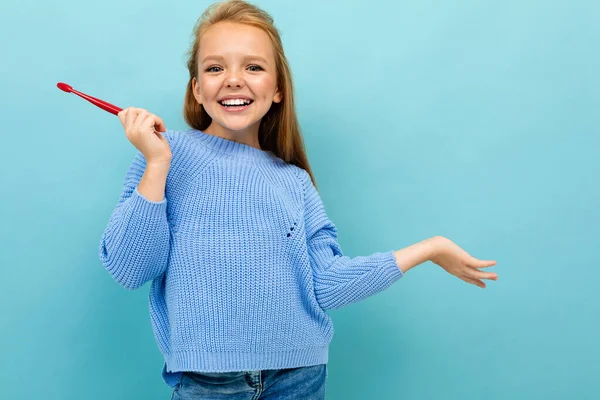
pixel 226 221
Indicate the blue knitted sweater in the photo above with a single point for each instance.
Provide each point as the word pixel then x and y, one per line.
pixel 243 259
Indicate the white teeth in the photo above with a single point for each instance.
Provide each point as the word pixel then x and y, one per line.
pixel 234 102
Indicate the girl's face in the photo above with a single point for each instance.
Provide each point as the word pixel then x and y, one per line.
pixel 236 60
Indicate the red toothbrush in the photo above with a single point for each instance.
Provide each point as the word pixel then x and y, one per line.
pixel 100 103
pixel 111 108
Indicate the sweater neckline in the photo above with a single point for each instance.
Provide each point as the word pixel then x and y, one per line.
pixel 232 147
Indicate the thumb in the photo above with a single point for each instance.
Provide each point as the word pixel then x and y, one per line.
pixel 159 124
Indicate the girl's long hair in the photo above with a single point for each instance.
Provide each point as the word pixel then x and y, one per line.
pixel 279 130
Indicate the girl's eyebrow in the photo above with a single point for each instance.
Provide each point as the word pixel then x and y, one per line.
pixel 246 57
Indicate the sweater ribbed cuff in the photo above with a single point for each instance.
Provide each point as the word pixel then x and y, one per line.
pixel 145 207
pixel 390 268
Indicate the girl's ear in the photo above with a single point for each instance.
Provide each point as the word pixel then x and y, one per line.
pixel 278 96
pixel 196 90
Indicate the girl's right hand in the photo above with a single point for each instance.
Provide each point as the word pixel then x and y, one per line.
pixel 139 128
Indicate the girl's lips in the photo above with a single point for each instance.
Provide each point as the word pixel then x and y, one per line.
pixel 235 108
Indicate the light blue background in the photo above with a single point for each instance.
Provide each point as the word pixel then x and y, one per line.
pixel 474 120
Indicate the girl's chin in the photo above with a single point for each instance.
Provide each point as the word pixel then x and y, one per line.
pixel 231 125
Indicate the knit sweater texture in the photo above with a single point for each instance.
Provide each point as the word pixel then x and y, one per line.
pixel 244 261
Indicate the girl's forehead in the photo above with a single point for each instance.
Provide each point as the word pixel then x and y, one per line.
pixel 230 40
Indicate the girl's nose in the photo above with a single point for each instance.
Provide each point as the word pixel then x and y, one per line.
pixel 234 78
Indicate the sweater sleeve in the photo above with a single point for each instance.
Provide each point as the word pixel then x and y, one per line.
pixel 338 279
pixel 135 245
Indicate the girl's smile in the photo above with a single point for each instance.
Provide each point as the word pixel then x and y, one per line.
pixel 236 104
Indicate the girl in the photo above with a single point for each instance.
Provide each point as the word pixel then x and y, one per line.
pixel 226 221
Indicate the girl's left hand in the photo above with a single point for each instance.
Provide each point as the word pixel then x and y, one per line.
pixel 458 262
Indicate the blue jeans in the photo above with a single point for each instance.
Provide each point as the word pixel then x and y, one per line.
pixel 302 383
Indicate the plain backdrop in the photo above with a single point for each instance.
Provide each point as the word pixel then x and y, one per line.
pixel 474 120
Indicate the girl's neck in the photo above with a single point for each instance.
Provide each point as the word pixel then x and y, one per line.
pixel 248 136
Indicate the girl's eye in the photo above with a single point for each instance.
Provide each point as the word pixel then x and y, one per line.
pixel 210 69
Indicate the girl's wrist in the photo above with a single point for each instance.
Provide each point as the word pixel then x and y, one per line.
pixel 416 254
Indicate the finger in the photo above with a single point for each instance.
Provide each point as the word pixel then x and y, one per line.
pixel 475 282
pixel 130 117
pixel 159 123
pixel 149 123
pixel 121 114
pixel 488 275
pixel 139 123
pixel 483 263
pixel 474 273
